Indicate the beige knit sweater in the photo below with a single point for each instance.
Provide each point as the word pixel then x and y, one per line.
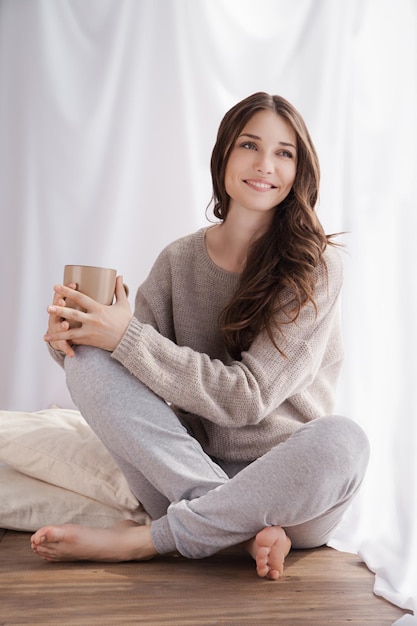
pixel 237 410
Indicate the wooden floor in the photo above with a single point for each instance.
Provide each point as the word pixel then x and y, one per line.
pixel 320 587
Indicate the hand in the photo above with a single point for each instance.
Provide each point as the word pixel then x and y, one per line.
pixel 102 326
pixel 57 325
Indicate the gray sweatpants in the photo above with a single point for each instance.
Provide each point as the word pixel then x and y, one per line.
pixel 199 506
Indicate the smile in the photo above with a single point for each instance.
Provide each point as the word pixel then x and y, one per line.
pixel 259 185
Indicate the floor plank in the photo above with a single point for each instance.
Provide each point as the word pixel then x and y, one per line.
pixel 320 587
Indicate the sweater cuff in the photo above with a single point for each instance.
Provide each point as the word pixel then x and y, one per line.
pixel 129 340
pixel 57 355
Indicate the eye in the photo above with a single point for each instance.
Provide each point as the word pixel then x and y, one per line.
pixel 286 153
pixel 248 145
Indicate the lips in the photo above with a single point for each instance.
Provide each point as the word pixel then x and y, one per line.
pixel 259 185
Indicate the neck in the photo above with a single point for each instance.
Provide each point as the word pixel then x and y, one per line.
pixel 228 243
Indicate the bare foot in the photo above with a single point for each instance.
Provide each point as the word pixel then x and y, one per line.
pixel 125 541
pixel 269 549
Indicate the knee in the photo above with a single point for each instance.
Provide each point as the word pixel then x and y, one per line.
pixel 84 357
pixel 87 359
pixel 85 371
pixel 345 444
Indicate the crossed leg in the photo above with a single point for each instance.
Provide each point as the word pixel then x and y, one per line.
pixel 128 541
pixel 293 487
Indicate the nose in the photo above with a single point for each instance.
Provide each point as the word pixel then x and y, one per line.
pixel 263 163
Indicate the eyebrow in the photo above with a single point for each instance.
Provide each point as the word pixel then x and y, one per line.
pixel 281 143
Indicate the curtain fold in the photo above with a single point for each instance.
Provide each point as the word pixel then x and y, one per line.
pixel 108 114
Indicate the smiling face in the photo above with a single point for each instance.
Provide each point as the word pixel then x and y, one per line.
pixel 262 165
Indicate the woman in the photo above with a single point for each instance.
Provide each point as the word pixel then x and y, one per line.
pixel 235 351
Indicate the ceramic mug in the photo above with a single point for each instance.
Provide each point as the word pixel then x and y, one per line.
pixel 99 283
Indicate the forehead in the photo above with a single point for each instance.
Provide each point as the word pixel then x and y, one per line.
pixel 270 126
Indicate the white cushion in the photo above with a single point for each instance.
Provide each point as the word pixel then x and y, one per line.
pixel 26 504
pixel 56 446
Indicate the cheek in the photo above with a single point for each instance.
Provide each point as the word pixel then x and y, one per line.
pixel 228 179
pixel 291 175
pixel 227 183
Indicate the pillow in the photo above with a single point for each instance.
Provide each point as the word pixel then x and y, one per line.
pixel 58 447
pixel 26 504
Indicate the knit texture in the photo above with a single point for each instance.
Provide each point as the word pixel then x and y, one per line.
pixel 238 410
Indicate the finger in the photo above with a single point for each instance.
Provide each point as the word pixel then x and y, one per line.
pixel 83 301
pixel 121 290
pixel 58 294
pixel 61 291
pixel 58 326
pixel 59 287
pixel 62 341
pixel 58 300
pixel 56 337
pixel 67 349
pixel 62 313
pixel 62 346
pixel 56 311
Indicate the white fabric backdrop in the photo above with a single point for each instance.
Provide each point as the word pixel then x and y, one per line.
pixel 108 113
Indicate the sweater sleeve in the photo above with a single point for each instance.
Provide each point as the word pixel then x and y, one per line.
pixel 160 317
pixel 242 392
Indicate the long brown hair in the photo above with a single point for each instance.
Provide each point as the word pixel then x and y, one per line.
pixel 283 260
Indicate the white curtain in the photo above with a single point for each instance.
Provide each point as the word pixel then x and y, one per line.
pixel 108 113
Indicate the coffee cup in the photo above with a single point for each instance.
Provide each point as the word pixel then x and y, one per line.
pixel 99 283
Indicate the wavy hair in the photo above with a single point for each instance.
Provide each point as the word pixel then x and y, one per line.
pixel 281 264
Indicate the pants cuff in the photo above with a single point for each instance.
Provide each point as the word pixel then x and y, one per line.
pixel 162 536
